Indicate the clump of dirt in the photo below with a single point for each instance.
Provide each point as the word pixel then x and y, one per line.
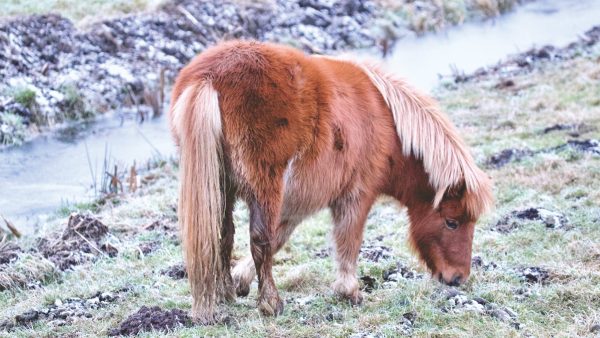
pixel 177 271
pixel 63 312
pixel 368 284
pixel 478 263
pixel 512 221
pixel 398 272
pixel 534 274
pixel 375 253
pixel 507 155
pixel 458 302
pixel 79 242
pixel 8 252
pixel 152 318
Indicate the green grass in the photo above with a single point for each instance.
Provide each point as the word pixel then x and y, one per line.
pixel 566 181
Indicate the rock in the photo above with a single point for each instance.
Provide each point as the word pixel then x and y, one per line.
pixel 595 328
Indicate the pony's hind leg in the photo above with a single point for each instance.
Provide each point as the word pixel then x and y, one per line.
pixel 263 220
pixel 244 271
pixel 227 234
pixel 349 215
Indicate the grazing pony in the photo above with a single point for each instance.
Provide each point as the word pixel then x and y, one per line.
pixel 291 134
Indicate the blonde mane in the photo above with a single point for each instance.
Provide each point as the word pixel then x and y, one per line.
pixel 426 132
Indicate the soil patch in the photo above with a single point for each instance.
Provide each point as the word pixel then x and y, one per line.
pixel 478 263
pixel 398 272
pixel 79 242
pixel 551 219
pixel 375 253
pixel 152 318
pixel 63 312
pixel 502 158
pixel 534 274
pixel 458 302
pixel 177 271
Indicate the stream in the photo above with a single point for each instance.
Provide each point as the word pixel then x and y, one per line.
pixel 57 168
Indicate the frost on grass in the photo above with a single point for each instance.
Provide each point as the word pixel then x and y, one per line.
pixel 62 311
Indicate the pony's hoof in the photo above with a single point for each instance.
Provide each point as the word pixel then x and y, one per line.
pixel 271 307
pixel 356 298
pixel 348 289
pixel 242 290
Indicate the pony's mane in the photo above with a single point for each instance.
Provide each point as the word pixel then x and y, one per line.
pixel 426 132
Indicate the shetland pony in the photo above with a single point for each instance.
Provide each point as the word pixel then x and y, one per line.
pixel 291 134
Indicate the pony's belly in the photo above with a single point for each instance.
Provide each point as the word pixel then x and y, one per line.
pixel 308 189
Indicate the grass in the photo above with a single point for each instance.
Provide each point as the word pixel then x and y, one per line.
pixel 491 120
pixel 80 12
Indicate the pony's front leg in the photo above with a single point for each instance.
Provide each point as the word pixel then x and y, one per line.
pixel 349 215
pixel 263 220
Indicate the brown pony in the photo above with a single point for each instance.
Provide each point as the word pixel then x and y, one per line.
pixel 291 134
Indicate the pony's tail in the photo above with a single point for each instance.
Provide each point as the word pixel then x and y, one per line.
pixel 196 123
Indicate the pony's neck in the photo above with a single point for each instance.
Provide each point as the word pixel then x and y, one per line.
pixel 410 182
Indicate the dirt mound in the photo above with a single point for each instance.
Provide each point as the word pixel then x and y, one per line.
pixel 79 242
pixel 514 219
pixel 151 318
pixel 177 271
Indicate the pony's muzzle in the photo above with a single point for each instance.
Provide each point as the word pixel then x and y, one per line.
pixel 456 280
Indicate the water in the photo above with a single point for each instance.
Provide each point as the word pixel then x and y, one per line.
pixel 473 45
pixel 53 170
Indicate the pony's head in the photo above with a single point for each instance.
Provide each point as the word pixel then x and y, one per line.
pixel 442 234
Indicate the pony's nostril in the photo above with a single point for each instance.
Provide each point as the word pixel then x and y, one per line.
pixel 456 280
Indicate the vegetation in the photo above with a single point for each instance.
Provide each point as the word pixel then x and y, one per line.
pixel 12 129
pixel 78 11
pixel 536 279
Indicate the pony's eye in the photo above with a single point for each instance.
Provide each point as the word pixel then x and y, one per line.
pixel 451 223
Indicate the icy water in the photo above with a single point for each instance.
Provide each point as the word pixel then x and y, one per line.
pixel 54 169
